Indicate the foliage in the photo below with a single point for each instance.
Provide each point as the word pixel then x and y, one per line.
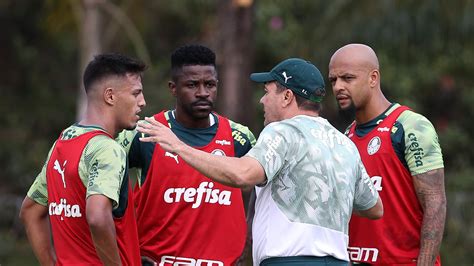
pixel 15 252
pixel 420 45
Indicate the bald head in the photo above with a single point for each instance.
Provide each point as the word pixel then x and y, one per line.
pixel 356 55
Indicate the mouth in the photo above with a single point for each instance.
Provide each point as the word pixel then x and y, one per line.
pixel 202 104
pixel 341 97
pixel 137 114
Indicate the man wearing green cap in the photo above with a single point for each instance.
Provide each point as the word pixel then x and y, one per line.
pixel 309 176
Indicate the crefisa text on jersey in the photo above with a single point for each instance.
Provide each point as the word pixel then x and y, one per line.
pixel 62 208
pixel 418 151
pixel 204 192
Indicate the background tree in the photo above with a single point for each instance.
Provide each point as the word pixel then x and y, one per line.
pixel 235 43
pixel 424 49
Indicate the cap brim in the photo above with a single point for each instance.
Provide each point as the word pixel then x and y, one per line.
pixel 262 77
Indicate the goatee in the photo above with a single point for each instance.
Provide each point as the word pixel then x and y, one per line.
pixel 347 114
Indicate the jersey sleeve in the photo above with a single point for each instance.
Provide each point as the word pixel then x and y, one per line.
pixel 244 139
pixel 365 196
pixel 129 140
pixel 422 148
pixel 105 163
pixel 125 139
pixel 38 190
pixel 271 149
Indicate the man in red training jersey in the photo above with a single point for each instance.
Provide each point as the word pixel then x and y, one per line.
pixel 183 217
pixel 401 153
pixel 83 188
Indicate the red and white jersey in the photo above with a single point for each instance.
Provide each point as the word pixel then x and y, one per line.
pixel 184 217
pixel 395 238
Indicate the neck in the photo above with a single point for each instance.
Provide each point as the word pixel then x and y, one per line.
pixel 97 117
pixel 294 112
pixel 372 109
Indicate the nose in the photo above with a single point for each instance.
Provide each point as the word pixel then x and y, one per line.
pixel 336 86
pixel 202 91
pixel 141 101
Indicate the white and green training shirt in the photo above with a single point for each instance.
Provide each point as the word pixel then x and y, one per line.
pixel 315 177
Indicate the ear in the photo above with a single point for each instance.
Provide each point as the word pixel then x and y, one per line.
pixel 288 97
pixel 374 78
pixel 172 87
pixel 109 96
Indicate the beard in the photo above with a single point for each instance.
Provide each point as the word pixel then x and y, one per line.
pixel 347 114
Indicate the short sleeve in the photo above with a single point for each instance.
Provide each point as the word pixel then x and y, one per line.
pixel 39 190
pixel 244 139
pixel 125 139
pixel 422 148
pixel 365 196
pixel 271 149
pixel 105 162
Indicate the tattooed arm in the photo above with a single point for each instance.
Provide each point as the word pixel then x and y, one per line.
pixel 430 192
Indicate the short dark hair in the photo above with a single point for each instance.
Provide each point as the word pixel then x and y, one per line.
pixel 304 104
pixel 191 55
pixel 104 65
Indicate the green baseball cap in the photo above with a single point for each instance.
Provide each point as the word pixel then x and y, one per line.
pixel 299 75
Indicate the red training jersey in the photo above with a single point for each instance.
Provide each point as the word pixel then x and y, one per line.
pixel 67 209
pixel 126 230
pixel 184 217
pixel 395 238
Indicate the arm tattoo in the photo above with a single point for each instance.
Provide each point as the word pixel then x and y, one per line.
pixel 430 191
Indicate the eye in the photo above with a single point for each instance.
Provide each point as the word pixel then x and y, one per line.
pixel 211 84
pixel 348 78
pixel 191 85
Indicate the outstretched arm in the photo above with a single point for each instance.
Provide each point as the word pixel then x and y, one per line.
pixel 231 171
pixel 101 224
pixel 35 219
pixel 431 194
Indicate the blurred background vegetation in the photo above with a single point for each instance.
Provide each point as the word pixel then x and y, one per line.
pixel 425 48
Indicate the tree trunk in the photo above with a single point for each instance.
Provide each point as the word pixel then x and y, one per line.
pixel 235 56
pixel 90 45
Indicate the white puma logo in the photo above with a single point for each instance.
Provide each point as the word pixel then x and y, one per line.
pixel 57 167
pixel 174 156
pixel 286 78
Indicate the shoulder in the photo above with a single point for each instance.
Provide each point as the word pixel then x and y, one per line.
pixel 125 139
pixel 242 134
pixel 100 143
pixel 422 149
pixel 104 147
pixel 297 123
pixel 285 128
pixel 412 121
pixel 77 130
